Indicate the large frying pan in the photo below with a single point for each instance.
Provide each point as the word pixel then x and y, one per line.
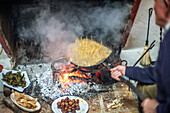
pixel 101 64
pixel 106 65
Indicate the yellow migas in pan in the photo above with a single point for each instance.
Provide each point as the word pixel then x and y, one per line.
pixel 88 53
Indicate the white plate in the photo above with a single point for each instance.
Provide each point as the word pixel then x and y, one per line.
pixel 20 89
pixel 23 108
pixel 84 107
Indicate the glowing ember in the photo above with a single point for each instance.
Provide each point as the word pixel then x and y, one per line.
pixel 66 80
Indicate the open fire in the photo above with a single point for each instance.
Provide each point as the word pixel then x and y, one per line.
pixel 63 73
pixel 58 79
pixel 66 73
pixel 66 78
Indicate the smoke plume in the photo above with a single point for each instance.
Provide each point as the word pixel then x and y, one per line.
pixel 55 30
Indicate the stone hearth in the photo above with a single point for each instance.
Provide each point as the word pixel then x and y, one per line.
pixel 98 103
pixel 98 100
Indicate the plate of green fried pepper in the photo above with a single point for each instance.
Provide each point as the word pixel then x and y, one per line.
pixel 17 80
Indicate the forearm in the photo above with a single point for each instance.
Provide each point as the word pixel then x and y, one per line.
pixel 144 75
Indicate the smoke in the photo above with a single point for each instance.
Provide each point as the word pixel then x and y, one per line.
pixel 54 36
pixel 55 30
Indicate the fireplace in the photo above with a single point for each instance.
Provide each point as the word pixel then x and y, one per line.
pixel 39 32
pixel 28 43
pixel 27 40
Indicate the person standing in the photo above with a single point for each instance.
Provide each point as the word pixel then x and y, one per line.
pixel 160 72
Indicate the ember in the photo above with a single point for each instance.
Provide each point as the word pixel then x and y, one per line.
pixel 65 78
pixel 57 79
pixel 64 85
pixel 62 73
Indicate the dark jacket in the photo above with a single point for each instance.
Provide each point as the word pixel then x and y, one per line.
pixel 159 74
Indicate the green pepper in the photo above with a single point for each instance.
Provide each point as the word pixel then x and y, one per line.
pixel 14 79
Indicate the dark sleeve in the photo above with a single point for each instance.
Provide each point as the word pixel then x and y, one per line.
pixel 164 80
pixel 144 75
pixel 163 107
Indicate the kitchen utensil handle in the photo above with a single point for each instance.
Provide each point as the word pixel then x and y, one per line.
pixel 150 47
pixel 124 62
pixel 108 66
pixel 94 71
pixel 150 14
pixel 135 90
pixel 150 11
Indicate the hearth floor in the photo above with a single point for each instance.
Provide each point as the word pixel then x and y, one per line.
pixel 120 91
pixel 99 103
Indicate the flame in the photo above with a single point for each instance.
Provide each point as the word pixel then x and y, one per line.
pixel 66 80
pixel 97 75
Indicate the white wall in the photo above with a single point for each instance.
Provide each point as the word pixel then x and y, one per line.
pixel 138 34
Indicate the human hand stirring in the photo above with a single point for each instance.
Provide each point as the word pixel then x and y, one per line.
pixel 118 71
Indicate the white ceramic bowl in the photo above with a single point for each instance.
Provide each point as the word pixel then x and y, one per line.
pixel 23 108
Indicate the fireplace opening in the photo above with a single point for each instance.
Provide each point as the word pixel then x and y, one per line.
pixel 40 32
pixel 36 33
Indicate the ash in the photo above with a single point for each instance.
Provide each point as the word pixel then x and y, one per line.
pixel 48 89
pixel 42 85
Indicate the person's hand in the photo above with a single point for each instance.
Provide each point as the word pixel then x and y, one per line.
pixel 149 105
pixel 117 72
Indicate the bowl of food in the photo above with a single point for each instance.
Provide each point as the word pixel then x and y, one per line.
pixel 70 104
pixel 17 80
pixel 25 102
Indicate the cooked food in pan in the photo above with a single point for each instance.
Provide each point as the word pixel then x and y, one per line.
pixel 67 105
pixel 25 101
pixel 87 52
pixel 14 79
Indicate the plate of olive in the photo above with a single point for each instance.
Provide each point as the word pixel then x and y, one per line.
pixel 17 80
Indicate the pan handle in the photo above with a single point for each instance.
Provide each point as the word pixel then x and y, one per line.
pixel 121 62
pixel 84 71
pixel 135 90
pixel 109 66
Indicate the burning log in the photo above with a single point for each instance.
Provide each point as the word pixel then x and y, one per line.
pixel 80 78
